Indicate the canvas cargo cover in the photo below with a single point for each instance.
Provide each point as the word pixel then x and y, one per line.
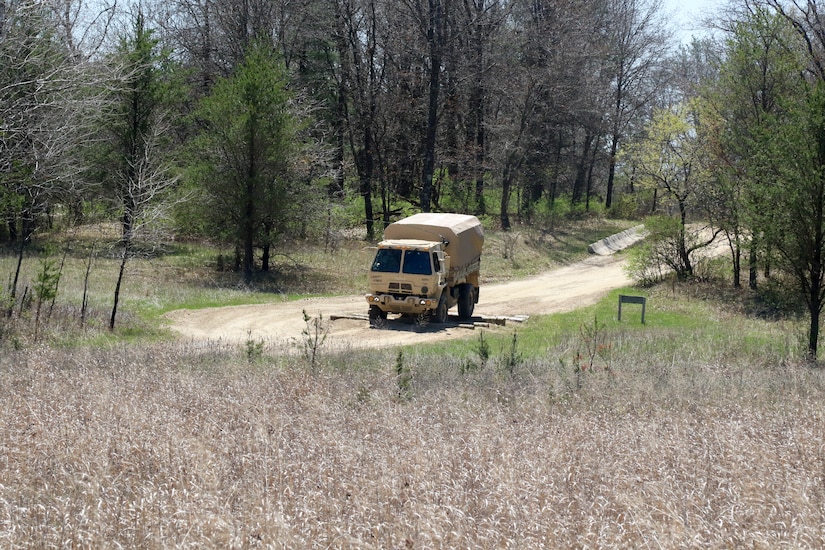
pixel 464 234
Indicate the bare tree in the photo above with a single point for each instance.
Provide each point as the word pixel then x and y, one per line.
pixel 361 79
pixel 49 96
pixel 637 43
pixel 148 186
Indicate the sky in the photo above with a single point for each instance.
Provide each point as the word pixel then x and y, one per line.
pixel 688 15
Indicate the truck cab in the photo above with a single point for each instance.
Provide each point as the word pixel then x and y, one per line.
pixel 407 276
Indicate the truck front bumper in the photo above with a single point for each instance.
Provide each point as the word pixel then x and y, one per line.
pixel 407 304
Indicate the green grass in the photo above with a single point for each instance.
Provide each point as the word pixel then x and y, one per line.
pixel 676 324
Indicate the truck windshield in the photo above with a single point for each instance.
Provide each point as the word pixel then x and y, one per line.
pixel 417 262
pixel 387 260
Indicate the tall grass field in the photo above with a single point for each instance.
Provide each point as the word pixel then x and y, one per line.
pixel 702 428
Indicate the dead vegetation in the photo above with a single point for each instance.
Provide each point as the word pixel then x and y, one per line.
pixel 211 446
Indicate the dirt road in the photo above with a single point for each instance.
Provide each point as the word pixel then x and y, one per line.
pixel 281 323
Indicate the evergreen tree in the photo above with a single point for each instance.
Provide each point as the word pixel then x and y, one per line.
pixel 244 152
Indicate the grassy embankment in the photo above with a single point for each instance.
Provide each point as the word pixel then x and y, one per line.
pixel 699 429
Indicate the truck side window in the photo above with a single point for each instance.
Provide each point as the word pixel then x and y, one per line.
pixel 436 263
pixel 387 260
pixel 417 262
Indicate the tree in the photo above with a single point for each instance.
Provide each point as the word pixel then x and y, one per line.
pixel 544 113
pixel 473 33
pixel 791 152
pixel 361 80
pixel 147 189
pixel 249 134
pixel 49 95
pixel 636 46
pixel 432 24
pixel 134 165
pixel 146 90
pixel 669 161
pixel 783 156
pixel 757 72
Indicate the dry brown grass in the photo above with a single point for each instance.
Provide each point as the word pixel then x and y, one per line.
pixel 177 445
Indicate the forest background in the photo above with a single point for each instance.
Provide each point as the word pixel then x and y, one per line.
pixel 251 123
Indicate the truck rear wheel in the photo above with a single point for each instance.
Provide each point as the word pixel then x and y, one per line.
pixel 466 301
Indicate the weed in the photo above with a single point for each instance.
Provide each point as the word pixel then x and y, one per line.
pixel 403 377
pixel 509 242
pixel 363 395
pixel 45 288
pixel 315 334
pixel 513 358
pixel 254 348
pixel 596 352
pixel 482 349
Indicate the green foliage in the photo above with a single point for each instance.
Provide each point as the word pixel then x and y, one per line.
pixel 47 281
pixel 482 351
pixel 249 159
pixel 766 124
pixel 138 130
pixel 650 260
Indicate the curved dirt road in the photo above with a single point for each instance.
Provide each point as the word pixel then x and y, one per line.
pixel 281 323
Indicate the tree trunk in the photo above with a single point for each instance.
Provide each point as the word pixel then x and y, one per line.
pixel 267 246
pixel 434 38
pixel 127 245
pixel 589 190
pixel 736 250
pixel 813 332
pixel 753 271
pixel 506 186
pixel 684 255
pixel 366 167
pixel 248 239
pixel 13 294
pixel 816 263
pixel 478 118
pixel 611 171
pixel 581 170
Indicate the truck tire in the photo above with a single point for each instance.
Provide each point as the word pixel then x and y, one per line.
pixel 439 315
pixel 466 301
pixel 375 314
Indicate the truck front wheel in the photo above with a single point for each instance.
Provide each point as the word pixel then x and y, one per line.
pixel 439 314
pixel 375 314
pixel 466 301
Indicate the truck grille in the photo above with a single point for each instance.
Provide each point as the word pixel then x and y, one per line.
pixel 400 288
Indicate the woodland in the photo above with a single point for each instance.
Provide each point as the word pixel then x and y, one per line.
pixel 253 122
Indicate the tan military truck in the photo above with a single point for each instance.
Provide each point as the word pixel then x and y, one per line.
pixel 426 264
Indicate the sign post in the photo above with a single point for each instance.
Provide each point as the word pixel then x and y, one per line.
pixel 623 299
